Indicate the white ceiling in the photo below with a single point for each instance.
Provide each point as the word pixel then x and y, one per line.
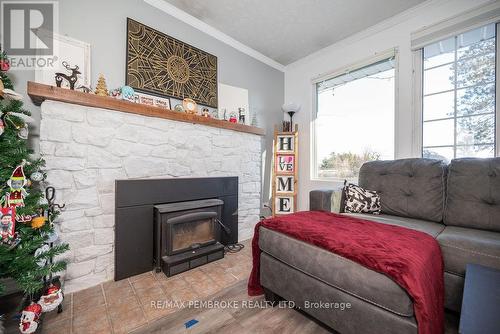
pixel 287 30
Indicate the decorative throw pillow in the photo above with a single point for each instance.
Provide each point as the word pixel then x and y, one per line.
pixel 360 200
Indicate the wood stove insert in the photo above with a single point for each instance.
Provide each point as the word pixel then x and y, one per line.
pixel 187 235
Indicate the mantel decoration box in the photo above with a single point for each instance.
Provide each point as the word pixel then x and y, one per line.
pixel 162 65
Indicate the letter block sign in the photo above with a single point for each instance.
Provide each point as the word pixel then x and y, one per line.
pixel 285 172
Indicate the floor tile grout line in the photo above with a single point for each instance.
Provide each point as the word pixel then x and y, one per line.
pixel 71 314
pixel 108 316
pixel 206 273
pixel 138 300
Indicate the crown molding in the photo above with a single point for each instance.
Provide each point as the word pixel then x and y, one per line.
pixel 213 32
pixel 372 30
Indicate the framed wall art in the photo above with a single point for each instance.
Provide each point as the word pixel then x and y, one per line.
pixel 68 50
pixel 160 64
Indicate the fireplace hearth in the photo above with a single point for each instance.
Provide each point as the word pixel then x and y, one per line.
pixel 187 235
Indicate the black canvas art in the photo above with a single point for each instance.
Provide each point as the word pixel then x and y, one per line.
pixel 162 65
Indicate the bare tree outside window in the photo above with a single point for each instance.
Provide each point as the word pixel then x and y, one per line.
pixel 459 96
pixel 355 120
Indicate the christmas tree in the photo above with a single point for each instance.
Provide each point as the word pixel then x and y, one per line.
pixel 26 252
pixel 101 89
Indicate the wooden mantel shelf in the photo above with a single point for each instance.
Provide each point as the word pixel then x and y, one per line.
pixel 40 92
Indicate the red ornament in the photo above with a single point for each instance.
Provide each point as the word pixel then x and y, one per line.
pixel 4 65
pixel 30 318
pixel 51 299
pixel 233 119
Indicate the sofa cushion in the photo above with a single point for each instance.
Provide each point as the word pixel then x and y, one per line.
pixel 337 271
pixel 453 291
pixel 425 226
pixel 473 197
pixel 413 188
pixel 461 246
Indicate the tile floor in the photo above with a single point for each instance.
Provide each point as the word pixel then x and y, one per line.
pixel 120 307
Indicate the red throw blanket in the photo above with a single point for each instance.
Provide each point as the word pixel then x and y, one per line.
pixel 410 258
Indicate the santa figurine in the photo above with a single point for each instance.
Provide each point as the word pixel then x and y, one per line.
pixel 30 318
pixel 17 193
pixel 51 299
pixel 7 224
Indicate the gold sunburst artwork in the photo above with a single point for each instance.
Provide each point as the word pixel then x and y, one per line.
pixel 160 64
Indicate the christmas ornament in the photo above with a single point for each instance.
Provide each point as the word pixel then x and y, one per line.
pixel 23 218
pixel 205 113
pixel 44 249
pixel 9 93
pixel 128 93
pixel 38 222
pixel 52 237
pixel 71 79
pixel 4 65
pixel 36 177
pixel 7 225
pixel 101 89
pixel 30 318
pixel 17 193
pixel 23 132
pixel 51 298
pixel 24 117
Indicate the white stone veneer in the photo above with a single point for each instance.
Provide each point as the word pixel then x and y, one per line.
pixel 87 149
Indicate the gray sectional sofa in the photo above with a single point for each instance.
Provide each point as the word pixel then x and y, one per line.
pixel 458 204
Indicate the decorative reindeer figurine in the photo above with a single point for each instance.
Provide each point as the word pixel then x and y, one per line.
pixel 70 78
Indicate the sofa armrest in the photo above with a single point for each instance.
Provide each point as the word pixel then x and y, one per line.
pixel 330 200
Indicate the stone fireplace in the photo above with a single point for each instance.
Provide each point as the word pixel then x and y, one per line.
pixel 87 149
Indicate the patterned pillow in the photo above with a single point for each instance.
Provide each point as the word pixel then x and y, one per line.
pixel 359 200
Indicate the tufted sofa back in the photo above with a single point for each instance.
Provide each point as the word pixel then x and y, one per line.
pixel 413 188
pixel 473 198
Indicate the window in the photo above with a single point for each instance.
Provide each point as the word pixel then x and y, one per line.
pixel 354 120
pixel 459 96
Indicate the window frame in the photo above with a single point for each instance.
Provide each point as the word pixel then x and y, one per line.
pixel 418 81
pixel 392 52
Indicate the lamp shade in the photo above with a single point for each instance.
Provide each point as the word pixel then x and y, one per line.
pixel 290 107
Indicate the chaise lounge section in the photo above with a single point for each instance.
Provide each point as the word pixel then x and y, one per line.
pixel 458 204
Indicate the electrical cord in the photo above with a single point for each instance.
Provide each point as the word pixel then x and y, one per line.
pixel 234 248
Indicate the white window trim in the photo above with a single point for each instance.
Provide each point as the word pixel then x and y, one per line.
pixel 475 18
pixel 479 16
pixel 393 52
pixel 418 89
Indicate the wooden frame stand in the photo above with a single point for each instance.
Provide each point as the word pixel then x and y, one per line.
pixel 284 186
